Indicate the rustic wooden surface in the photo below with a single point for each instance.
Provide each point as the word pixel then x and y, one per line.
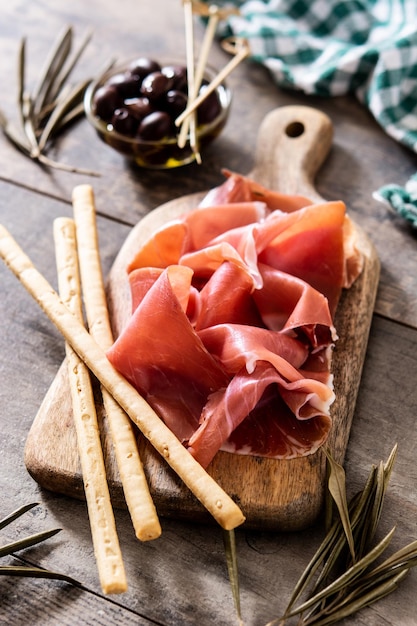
pixel 181 578
pixel 273 495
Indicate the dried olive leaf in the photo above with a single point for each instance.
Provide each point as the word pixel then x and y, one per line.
pixel 389 464
pixel 69 117
pixel 358 508
pixel 337 488
pixel 21 63
pixel 353 585
pixel 404 558
pixel 35 572
pixel 328 554
pixel 54 62
pixel 62 108
pixel 371 586
pixel 27 542
pixel 16 514
pixel 229 541
pixel 14 136
pixel 371 519
pixel 381 477
pixel 68 68
pixel 44 160
pixel 326 548
pixel 24 105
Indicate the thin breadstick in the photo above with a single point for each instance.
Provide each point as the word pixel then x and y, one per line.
pixel 224 510
pixel 201 66
pixel 103 528
pixel 205 48
pixel 139 501
pixel 221 76
pixel 189 50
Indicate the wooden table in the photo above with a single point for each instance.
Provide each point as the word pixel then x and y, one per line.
pixel 181 578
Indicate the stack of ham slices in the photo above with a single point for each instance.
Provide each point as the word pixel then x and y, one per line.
pixel 231 334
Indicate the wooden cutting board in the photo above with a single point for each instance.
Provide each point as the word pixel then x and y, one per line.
pixel 273 494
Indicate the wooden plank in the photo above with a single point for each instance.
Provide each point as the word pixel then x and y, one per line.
pixel 285 495
pixel 42 602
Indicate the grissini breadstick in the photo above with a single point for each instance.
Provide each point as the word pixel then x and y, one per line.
pixel 204 487
pixel 139 501
pixel 201 66
pixel 189 49
pixel 103 528
pixel 241 54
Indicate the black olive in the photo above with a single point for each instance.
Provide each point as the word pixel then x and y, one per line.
pixel 124 122
pixel 178 75
pixel 176 102
pixel 209 109
pixel 106 99
pixel 155 85
pixel 143 66
pixel 138 107
pixel 155 126
pixel 127 85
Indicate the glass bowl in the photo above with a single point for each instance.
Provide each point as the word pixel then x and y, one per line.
pixel 150 152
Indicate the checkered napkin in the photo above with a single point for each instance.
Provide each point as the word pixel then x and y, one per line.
pixel 334 47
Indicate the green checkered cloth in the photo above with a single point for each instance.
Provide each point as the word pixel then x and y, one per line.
pixel 402 199
pixel 329 48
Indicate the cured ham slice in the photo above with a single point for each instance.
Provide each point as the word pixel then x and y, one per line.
pixel 257 359
pixel 237 346
pixel 160 355
pixel 275 430
pixel 290 304
pixel 206 261
pixel 353 258
pixel 232 332
pixel 227 297
pixel 194 231
pixel 308 244
pixel 238 188
pixel 141 280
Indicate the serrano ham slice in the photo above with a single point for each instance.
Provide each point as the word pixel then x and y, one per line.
pixel 272 428
pixel 308 244
pixel 161 355
pixel 226 297
pixel 231 333
pixel 238 188
pixel 288 303
pixel 194 231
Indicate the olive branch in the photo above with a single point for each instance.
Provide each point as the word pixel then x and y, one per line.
pixel 345 568
pixel 52 105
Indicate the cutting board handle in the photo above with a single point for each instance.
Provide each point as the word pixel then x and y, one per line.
pixel 293 142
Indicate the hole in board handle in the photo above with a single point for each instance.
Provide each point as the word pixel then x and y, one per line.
pixel 294 129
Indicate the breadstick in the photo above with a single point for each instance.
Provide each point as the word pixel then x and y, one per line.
pixel 204 487
pixel 103 528
pixel 139 501
pixel 201 66
pixel 189 49
pixel 241 54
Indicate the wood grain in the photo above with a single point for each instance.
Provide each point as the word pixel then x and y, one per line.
pixel 293 143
